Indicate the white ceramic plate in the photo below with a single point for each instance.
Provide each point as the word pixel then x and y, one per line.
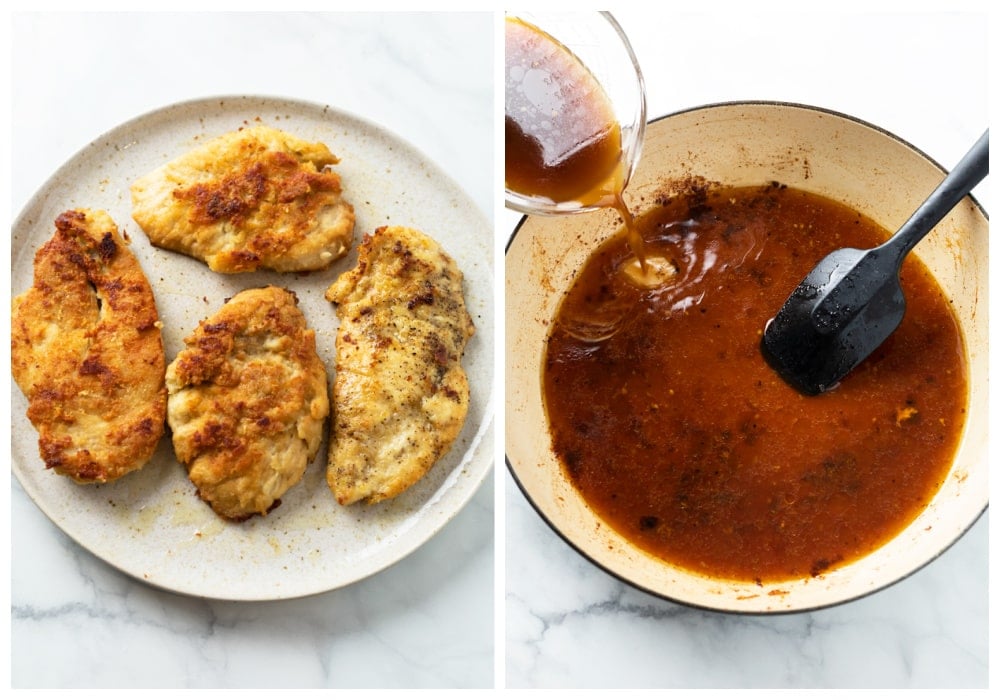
pixel 150 524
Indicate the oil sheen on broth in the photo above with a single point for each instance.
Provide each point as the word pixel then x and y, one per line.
pixel 673 428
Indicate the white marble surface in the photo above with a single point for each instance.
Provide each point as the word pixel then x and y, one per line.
pixel 568 624
pixel 427 621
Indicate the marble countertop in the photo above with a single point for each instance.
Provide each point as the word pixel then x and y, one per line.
pixel 426 621
pixel 436 618
pixel 923 77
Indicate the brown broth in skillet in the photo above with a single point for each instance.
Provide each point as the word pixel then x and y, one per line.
pixel 677 433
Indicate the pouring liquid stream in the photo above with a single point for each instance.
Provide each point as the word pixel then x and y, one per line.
pixel 563 140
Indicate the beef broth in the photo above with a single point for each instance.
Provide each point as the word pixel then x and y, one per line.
pixel 563 141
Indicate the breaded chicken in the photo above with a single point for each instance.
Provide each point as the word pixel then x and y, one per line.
pixel 248 402
pixel 87 352
pixel 250 199
pixel 400 395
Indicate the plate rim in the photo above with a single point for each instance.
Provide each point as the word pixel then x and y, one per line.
pixel 479 449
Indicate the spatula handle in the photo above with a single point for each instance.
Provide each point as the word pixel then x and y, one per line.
pixel 973 167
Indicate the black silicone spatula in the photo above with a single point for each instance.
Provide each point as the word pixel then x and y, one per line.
pixel 852 301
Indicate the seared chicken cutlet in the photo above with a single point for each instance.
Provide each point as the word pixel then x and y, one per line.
pixel 250 199
pixel 86 350
pixel 400 394
pixel 248 402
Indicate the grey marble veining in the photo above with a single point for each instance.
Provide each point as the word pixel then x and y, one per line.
pixel 428 620
pixel 421 623
pixel 577 626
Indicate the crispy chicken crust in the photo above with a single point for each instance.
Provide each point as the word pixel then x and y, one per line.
pixel 400 394
pixel 248 402
pixel 87 352
pixel 250 199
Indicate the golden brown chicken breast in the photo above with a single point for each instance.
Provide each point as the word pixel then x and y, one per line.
pixel 400 394
pixel 250 199
pixel 248 402
pixel 86 350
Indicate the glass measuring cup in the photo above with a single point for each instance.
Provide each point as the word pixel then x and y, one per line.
pixel 575 112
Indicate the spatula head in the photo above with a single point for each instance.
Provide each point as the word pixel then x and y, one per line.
pixel 838 315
